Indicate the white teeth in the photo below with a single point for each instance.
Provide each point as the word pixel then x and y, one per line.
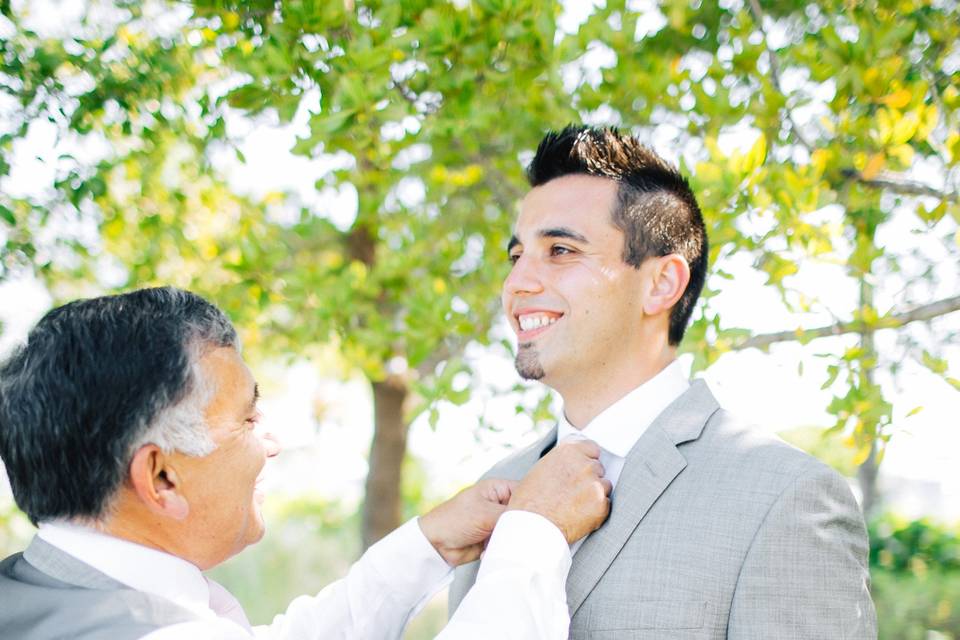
pixel 535 321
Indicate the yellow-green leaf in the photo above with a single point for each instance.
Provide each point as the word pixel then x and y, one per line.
pixel 756 156
pixel 935 364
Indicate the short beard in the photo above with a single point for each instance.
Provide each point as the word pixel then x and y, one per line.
pixel 528 362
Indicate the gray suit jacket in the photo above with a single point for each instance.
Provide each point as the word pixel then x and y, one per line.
pixel 715 531
pixel 46 594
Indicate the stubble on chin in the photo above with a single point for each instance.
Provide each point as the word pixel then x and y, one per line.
pixel 528 362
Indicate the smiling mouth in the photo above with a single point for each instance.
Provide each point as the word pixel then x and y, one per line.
pixel 534 323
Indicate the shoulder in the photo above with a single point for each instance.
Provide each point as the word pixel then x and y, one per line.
pixel 738 458
pixel 770 485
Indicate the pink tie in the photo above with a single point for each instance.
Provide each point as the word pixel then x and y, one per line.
pixel 226 606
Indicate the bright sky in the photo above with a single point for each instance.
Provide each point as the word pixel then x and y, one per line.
pixel 329 457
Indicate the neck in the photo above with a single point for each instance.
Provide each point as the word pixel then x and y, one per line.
pixel 584 400
pixel 131 522
pixel 131 532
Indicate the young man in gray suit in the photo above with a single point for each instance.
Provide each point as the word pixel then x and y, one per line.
pixel 716 530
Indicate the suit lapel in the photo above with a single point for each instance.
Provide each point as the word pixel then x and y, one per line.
pixel 650 467
pixel 516 466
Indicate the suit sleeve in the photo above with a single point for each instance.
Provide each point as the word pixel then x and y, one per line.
pixel 805 576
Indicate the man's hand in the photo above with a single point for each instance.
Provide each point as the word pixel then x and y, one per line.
pixel 459 527
pixel 567 487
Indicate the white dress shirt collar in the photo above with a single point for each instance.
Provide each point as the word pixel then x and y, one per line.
pixel 139 567
pixel 618 427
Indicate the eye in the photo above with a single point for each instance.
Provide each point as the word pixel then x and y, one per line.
pixel 560 250
pixel 513 257
pixel 253 420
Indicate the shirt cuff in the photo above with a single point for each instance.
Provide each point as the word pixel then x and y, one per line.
pixel 526 539
pixel 407 561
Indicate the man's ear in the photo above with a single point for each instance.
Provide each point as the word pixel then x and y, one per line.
pixel 669 277
pixel 156 484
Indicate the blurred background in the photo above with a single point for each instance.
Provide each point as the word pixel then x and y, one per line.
pixel 341 177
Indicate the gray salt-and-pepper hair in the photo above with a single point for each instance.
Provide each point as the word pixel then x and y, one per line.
pixel 95 379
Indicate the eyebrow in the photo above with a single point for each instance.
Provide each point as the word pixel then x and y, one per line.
pixel 256 396
pixel 552 232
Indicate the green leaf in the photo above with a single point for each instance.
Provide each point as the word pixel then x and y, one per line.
pixel 8 216
pixel 327 124
pixel 832 372
pixel 936 365
pixel 756 156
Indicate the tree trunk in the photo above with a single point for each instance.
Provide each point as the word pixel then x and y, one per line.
pixel 868 469
pixel 381 507
pixel 867 478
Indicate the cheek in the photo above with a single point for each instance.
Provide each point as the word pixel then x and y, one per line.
pixel 239 468
pixel 255 456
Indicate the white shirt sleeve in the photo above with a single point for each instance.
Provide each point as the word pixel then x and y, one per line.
pixel 520 590
pixel 380 593
pixel 519 593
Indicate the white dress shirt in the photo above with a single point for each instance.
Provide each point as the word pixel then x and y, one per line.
pixel 519 591
pixel 618 427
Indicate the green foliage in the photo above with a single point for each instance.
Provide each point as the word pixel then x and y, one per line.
pixel 428 106
pixel 826 445
pixel 913 547
pixel 917 608
pixel 915 571
pixel 15 529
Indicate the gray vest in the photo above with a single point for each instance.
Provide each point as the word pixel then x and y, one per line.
pixel 46 594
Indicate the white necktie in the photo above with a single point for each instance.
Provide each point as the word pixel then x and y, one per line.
pixel 226 606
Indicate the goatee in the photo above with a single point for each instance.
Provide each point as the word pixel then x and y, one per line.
pixel 528 362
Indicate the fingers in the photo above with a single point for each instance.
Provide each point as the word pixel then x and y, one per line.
pixel 588 448
pixel 607 486
pixel 597 469
pixel 482 519
pixel 499 490
pixel 471 553
pixel 491 512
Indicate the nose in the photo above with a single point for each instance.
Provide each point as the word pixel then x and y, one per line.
pixel 524 277
pixel 271 446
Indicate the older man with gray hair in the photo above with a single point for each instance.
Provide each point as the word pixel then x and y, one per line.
pixel 128 427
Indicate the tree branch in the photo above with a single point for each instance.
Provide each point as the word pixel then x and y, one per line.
pixel 893 321
pixel 757 14
pixel 901 186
